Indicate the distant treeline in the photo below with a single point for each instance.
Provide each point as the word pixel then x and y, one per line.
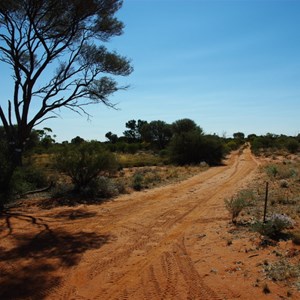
pixel 273 142
pixel 183 143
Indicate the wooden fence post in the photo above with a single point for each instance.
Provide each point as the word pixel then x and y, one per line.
pixel 266 201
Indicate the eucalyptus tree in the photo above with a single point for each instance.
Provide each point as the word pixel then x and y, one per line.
pixel 158 133
pixel 57 54
pixel 134 130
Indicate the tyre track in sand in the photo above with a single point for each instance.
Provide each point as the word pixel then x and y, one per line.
pixel 147 257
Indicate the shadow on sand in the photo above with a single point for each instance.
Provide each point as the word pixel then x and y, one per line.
pixel 30 261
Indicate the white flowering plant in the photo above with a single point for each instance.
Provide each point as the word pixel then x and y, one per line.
pixel 274 225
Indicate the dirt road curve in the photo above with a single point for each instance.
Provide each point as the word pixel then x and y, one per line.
pixel 156 244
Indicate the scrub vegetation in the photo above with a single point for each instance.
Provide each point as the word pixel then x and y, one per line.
pixel 272 221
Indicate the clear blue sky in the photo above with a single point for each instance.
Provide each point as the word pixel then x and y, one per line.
pixel 228 65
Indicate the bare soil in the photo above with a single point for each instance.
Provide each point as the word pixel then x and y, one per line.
pixel 172 242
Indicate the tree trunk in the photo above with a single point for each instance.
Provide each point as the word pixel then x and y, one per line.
pixel 16 157
pixel 5 189
pixel 1 206
pixel 9 162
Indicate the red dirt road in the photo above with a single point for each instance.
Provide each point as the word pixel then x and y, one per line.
pixel 165 243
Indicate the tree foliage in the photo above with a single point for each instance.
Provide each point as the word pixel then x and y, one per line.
pixel 134 130
pixel 158 133
pixel 239 135
pixel 189 145
pixel 274 142
pixel 185 148
pixel 113 138
pixel 185 125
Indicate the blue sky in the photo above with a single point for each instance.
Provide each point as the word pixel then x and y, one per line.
pixel 228 65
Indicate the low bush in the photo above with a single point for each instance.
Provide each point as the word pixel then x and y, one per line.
pixel 281 172
pixel 152 178
pixel 28 178
pixel 235 205
pixel 284 184
pixel 61 190
pixel 99 188
pixel 84 163
pixel 104 187
pixel 137 181
pixel 272 171
pixel 292 146
pixel 274 225
pixel 282 270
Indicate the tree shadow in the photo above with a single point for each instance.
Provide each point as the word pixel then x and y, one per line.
pixel 72 200
pixel 74 214
pixel 28 282
pixel 31 263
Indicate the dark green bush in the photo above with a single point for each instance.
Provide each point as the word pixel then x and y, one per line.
pixel 99 187
pixel 137 181
pixel 5 174
pixel 273 226
pixel 292 145
pixel 213 150
pixel 272 171
pixel 132 148
pixel 193 147
pixel 84 163
pixel 28 178
pixel 232 145
pixel 102 187
pixel 15 181
pixel 185 148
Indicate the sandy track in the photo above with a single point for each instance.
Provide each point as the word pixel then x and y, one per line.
pixel 145 245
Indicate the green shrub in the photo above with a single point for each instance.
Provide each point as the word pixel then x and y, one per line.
pixel 137 181
pixel 272 171
pixel 292 145
pixel 193 147
pixel 132 148
pixel 151 178
pixel 120 186
pixel 281 171
pixel 236 204
pixel 102 187
pixel 84 163
pixel 282 270
pixel 232 145
pixel 248 195
pixel 61 190
pixel 28 178
pixel 286 172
